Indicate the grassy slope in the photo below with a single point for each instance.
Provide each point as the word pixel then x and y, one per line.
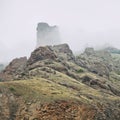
pixel 57 86
pixel 60 87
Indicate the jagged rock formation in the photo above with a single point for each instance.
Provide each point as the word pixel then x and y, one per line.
pixel 47 35
pixel 99 62
pixel 53 84
pixel 41 53
pixel 14 69
pixel 64 52
pixel 54 57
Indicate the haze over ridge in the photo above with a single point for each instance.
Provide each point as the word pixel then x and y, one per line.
pixel 82 23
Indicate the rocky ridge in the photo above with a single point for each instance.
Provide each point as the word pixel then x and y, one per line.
pixel 54 84
pixel 14 70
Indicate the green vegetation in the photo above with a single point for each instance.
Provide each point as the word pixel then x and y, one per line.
pixel 12 89
pixel 80 71
pixel 59 87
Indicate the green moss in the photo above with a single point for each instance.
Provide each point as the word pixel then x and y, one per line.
pixel 80 71
pixel 12 89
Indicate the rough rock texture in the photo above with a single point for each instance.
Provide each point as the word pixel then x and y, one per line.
pixel 41 53
pixel 63 52
pixel 99 62
pixel 54 57
pixel 89 51
pixel 40 57
pixel 14 69
pixel 54 85
pixel 47 35
pixel 47 100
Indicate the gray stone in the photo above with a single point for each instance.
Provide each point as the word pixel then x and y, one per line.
pixel 47 35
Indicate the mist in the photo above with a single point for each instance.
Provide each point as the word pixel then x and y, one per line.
pixel 82 23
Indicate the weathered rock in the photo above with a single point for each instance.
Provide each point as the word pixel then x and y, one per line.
pixel 89 51
pixel 114 90
pixel 47 35
pixel 63 52
pixel 42 56
pixel 41 53
pixel 94 83
pixel 17 64
pixel 99 62
pixel 57 87
pixel 14 69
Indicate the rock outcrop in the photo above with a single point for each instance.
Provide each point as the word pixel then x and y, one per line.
pixel 99 62
pixel 63 52
pixel 50 57
pixel 14 69
pixel 41 53
pixel 47 35
pixel 54 57
pixel 53 84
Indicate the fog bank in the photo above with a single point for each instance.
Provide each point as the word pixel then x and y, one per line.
pixel 82 23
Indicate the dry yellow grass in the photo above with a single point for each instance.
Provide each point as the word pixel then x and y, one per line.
pixel 58 87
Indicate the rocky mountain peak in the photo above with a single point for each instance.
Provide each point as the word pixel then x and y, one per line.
pixel 47 35
pixel 41 53
pixel 89 51
pixel 42 26
pixel 64 52
pixel 55 84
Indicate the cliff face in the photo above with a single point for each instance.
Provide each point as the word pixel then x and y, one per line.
pixel 47 35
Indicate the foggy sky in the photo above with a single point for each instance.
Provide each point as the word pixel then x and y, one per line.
pixel 82 23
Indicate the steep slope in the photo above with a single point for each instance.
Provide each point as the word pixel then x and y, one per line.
pixel 54 85
pixel 61 98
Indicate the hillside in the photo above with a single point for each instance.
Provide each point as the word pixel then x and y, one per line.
pixel 53 84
